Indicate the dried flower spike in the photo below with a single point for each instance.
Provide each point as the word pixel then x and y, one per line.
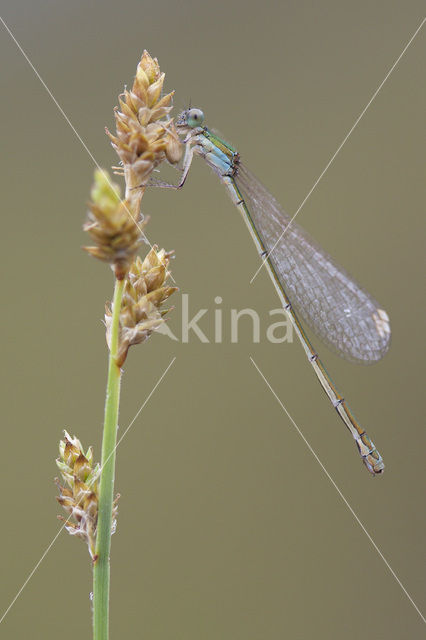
pixel 114 225
pixel 144 134
pixel 80 498
pixel 145 291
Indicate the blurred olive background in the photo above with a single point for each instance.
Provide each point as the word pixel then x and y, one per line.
pixel 228 528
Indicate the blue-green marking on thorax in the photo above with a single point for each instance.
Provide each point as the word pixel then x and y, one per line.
pixel 219 154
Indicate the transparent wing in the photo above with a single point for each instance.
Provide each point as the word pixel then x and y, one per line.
pixel 342 314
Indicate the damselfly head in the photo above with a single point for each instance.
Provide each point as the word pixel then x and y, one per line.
pixel 190 119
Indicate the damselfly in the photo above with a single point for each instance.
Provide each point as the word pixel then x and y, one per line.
pixel 308 281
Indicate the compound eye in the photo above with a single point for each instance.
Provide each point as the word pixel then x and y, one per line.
pixel 195 118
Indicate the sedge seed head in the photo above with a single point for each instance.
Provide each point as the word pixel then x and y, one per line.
pixel 145 136
pixel 113 224
pixel 144 294
pixel 79 495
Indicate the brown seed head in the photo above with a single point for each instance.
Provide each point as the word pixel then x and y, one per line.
pixel 114 225
pixel 145 292
pixel 80 497
pixel 145 136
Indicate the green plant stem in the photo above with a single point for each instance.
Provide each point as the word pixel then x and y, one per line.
pixel 101 567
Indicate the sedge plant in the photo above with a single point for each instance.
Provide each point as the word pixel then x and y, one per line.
pixel 145 136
